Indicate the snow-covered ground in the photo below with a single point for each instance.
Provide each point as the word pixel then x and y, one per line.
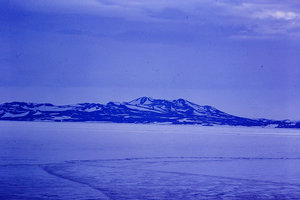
pixel 45 160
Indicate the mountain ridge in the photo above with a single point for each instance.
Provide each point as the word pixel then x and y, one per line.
pixel 140 110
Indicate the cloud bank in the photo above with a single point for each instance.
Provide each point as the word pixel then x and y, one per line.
pixel 249 18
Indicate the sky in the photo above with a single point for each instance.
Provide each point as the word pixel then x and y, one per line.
pixel 241 57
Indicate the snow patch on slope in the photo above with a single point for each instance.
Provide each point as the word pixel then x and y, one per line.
pixel 8 114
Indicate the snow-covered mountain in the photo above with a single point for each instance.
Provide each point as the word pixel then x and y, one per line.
pixel 141 110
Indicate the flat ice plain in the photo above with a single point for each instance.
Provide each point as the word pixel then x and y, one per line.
pixel 45 160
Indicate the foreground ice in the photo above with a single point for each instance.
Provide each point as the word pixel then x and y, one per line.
pixel 127 161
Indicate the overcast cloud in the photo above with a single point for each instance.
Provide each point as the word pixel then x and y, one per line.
pixel 240 56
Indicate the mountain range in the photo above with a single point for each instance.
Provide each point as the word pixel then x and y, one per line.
pixel 140 110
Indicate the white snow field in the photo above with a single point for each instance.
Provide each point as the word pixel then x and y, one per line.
pixel 46 160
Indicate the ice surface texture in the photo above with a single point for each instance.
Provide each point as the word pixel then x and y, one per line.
pixel 40 160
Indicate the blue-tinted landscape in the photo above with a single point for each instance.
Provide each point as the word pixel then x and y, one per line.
pixel 149 99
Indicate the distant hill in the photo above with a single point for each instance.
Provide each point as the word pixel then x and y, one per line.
pixel 141 110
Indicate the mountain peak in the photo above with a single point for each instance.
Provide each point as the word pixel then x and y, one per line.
pixel 180 100
pixel 142 101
